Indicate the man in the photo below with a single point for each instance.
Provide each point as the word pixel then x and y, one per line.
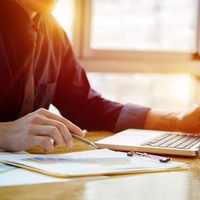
pixel 37 68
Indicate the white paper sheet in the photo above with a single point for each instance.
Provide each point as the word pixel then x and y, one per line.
pixel 19 176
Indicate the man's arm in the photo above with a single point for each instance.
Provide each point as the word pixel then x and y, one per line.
pixel 187 120
pixel 157 120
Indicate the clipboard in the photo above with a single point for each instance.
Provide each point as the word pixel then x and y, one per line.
pixel 88 163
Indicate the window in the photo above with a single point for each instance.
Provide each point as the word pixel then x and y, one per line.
pixel 144 25
pixel 133 32
pixel 140 36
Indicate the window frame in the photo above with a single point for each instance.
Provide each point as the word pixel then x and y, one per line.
pixel 123 60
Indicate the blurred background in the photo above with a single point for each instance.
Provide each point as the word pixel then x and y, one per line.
pixel 137 51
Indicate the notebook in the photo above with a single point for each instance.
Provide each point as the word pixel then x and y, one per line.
pixel 151 141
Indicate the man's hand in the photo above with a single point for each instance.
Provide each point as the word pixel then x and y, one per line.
pixel 37 129
pixel 189 119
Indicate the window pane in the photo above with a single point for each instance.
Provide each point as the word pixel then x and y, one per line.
pixel 155 25
pixel 65 15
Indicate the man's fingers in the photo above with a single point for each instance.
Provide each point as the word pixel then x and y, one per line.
pixel 72 127
pixel 55 124
pixel 49 127
pixel 44 142
pixel 49 131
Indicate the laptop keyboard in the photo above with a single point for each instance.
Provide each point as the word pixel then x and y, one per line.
pixel 178 141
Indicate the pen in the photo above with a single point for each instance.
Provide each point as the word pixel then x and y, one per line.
pixel 85 141
pixel 155 157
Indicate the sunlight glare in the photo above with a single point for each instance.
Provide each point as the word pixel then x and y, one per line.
pixel 64 14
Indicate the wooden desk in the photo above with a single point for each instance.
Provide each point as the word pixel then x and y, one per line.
pixel 178 185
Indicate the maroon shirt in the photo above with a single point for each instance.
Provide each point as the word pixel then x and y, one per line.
pixel 59 79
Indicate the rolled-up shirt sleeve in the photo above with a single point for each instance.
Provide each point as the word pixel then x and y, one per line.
pixel 131 116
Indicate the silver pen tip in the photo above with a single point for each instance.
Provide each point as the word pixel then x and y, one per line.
pixel 94 145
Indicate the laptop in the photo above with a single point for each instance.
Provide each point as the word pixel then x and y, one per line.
pixel 152 141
